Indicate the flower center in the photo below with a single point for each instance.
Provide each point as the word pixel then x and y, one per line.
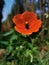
pixel 26 25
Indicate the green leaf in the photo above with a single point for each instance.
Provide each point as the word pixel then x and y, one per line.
pixel 4 42
pixel 47 42
pixel 30 45
pixel 9 49
pixel 27 52
pixel 8 33
pixel 31 59
pixel 13 37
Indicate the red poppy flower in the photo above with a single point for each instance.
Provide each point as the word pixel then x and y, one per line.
pixel 26 23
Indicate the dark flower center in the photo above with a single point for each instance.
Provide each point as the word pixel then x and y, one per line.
pixel 26 25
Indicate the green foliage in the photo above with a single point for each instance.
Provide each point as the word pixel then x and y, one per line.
pixel 21 51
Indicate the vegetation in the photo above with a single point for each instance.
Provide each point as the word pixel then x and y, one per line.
pixel 18 49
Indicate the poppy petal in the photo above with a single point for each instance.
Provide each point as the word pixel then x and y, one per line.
pixel 23 31
pixel 29 15
pixel 28 19
pixel 36 26
pixel 18 20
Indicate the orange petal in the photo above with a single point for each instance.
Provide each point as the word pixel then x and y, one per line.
pixel 18 20
pixel 23 31
pixel 37 25
pixel 29 15
pixel 31 19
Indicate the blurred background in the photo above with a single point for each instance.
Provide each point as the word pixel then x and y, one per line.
pixel 9 8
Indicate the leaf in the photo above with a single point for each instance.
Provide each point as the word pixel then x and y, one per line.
pixel 34 50
pixel 30 45
pixel 4 42
pixel 13 37
pixel 8 33
pixel 9 50
pixel 27 52
pixel 47 42
pixel 31 59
